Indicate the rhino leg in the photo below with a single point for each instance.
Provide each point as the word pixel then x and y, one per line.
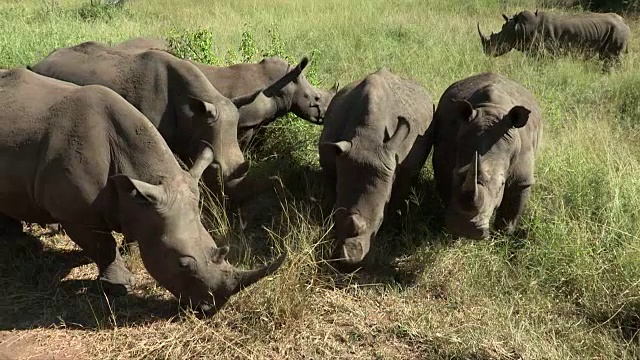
pixel 408 172
pixel 512 207
pixel 443 164
pixel 100 247
pixel 10 226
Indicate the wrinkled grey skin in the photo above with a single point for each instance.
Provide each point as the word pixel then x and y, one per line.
pixel 499 120
pixel 140 44
pixel 280 88
pixel 372 148
pixel 86 158
pixel 172 93
pixel 591 33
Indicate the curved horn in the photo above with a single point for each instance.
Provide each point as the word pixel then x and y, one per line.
pixel 471 181
pixel 202 162
pixel 274 88
pixel 482 37
pixel 246 278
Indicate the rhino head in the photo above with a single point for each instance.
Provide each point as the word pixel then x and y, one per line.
pixel 517 32
pixel 292 92
pixel 485 147
pixel 175 247
pixel 365 174
pixel 214 121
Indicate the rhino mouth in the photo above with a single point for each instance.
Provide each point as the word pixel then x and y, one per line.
pixel 318 117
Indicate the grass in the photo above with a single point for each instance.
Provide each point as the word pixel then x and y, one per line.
pixel 568 290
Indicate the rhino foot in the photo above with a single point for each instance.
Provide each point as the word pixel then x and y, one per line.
pixel 117 280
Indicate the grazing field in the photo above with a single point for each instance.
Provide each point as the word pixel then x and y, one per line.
pixel 568 287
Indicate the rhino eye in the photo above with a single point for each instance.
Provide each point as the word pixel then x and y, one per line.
pixel 187 263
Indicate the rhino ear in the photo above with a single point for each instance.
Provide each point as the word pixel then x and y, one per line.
pixel 340 147
pixel 402 131
pixel 219 254
pixel 140 192
pixel 519 115
pixel 465 109
pixel 203 108
pixel 505 17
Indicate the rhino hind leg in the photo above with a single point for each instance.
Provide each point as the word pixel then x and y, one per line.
pixel 512 207
pixel 10 226
pixel 100 247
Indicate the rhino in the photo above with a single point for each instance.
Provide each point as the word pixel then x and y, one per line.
pixel 141 44
pixel 486 131
pixel 279 88
pixel 587 33
pixel 372 147
pixel 84 157
pixel 172 93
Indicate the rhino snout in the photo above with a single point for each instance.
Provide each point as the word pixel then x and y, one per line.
pixel 230 178
pixel 467 228
pixel 353 251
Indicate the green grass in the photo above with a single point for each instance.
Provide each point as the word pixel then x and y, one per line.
pixel 568 290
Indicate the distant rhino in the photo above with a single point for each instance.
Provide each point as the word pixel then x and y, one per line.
pixel 372 147
pixel 589 33
pixel 281 89
pixel 172 93
pixel 86 158
pixel 486 129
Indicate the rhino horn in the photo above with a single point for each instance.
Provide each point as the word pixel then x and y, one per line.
pixel 471 181
pixel 202 162
pixel 505 17
pixel 274 88
pixel 482 37
pixel 246 278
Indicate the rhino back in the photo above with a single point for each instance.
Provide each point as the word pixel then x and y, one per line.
pixel 446 123
pixel 67 145
pixel 370 108
pixel 591 28
pixel 243 79
pixel 375 103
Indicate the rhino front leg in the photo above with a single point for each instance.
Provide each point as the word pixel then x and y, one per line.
pixel 100 247
pixel 512 207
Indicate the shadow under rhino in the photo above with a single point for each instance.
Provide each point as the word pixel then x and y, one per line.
pixel 36 293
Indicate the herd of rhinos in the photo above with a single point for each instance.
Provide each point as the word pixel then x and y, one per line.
pixel 88 137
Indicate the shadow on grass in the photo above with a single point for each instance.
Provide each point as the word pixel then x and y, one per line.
pixel 35 293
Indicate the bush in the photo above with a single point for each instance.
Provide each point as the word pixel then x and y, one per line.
pixel 96 10
pixel 193 45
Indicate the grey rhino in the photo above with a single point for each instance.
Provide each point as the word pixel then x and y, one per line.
pixel 172 93
pixel 279 88
pixel 372 147
pixel 86 158
pixel 486 132
pixel 588 33
pixel 141 44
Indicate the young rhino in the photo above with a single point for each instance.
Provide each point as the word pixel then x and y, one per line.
pixel 372 147
pixel 278 87
pixel 486 132
pixel 86 158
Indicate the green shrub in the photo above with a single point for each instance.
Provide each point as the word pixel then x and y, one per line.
pixel 193 45
pixel 96 10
